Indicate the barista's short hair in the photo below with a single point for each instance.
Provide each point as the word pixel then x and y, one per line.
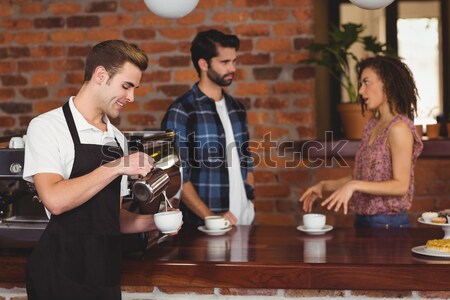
pixel 205 45
pixel 112 55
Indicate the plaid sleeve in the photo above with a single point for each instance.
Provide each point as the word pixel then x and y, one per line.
pixel 176 119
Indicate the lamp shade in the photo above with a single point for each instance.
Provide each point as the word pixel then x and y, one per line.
pixel 371 4
pixel 171 9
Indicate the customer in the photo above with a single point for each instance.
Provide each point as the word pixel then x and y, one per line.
pixel 212 136
pixel 381 189
pixel 75 157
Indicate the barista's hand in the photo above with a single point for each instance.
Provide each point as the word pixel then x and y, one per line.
pixel 310 196
pixel 230 217
pixel 138 163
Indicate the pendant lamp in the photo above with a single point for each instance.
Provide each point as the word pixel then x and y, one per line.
pixel 371 4
pixel 171 9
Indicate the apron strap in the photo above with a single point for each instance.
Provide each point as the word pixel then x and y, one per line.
pixel 71 123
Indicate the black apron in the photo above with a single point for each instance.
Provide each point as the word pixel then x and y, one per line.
pixel 79 253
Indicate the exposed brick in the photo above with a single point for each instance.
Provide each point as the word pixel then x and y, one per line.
pixel 34 93
pixel 16 108
pixel 6 10
pixel 67 36
pixel 294 3
pixel 48 51
pixel 66 92
pixel 117 20
pixel 247 102
pixel 185 75
pixel 303 13
pixel 75 78
pixel 14 52
pixel 158 105
pixel 257 88
pixel 254 59
pixel 7 67
pixel 83 21
pixel 274 219
pixel 264 206
pixel 6 93
pixel 271 103
pixel 257 117
pixel 269 73
pixel 142 120
pixel 41 107
pixel 177 33
pixel 294 118
pixel 133 6
pixel 6 38
pixel 290 293
pixel 144 90
pixel 174 61
pixel 290 58
pixel 98 35
pixel 64 8
pixel 156 76
pixel 302 43
pixel 68 64
pixel 158 47
pixel 101 6
pixel 270 15
pixel 46 79
pixel 303 73
pixel 306 132
pixel 173 90
pixel 17 24
pixel 193 18
pixel 250 3
pixel 27 38
pixel 231 16
pixel 152 20
pixel 33 65
pixel 293 29
pixel 7 121
pixel 421 204
pixel 265 176
pixel 293 88
pixel 51 22
pixel 212 4
pixel 131 107
pixel 79 51
pixel 276 132
pixel 274 44
pixel 13 80
pixel 139 33
pixel 31 8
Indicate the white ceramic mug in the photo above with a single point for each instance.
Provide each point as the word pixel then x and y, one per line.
pixel 216 222
pixel 168 221
pixel 314 221
pixel 16 143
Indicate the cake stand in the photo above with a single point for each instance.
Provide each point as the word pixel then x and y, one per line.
pixel 444 226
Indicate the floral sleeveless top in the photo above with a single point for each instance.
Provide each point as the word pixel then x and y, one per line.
pixel 373 162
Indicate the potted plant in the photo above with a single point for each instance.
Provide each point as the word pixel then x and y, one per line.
pixel 340 61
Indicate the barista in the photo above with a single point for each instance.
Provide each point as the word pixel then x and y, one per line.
pixel 78 162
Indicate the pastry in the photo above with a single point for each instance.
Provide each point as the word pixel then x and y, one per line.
pixel 439 220
pixel 442 245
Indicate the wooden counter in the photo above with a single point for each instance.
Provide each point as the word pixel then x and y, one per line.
pixel 276 257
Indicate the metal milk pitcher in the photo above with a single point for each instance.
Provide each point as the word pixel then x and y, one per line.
pixel 151 186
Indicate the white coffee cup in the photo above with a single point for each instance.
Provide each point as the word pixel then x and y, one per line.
pixel 216 222
pixel 314 221
pixel 16 143
pixel 168 221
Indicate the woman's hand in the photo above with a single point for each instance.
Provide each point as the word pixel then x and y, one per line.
pixel 310 196
pixel 341 197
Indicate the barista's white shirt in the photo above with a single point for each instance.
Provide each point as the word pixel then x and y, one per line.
pixel 240 206
pixel 50 149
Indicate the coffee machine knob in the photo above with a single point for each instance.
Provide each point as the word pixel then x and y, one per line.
pixel 15 168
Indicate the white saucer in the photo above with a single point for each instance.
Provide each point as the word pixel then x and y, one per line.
pixel 214 232
pixel 424 251
pixel 322 230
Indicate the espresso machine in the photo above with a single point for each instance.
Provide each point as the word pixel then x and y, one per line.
pixel 22 215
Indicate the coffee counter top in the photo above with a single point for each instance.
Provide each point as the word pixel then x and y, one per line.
pixel 275 257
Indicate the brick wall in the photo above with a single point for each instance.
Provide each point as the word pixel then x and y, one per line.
pixel 43 45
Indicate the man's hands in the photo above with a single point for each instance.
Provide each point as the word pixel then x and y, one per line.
pixel 138 163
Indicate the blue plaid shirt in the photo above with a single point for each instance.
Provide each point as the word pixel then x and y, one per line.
pixel 200 141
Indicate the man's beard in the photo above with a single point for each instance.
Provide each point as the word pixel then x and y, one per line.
pixel 218 79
